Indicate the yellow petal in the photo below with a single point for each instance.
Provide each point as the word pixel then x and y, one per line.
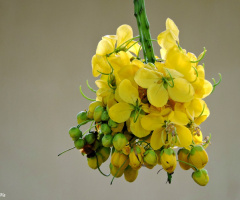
pixel 174 73
pixel 170 25
pixel 135 48
pixel 176 59
pixel 180 118
pixel 184 136
pixel 152 121
pixel 182 91
pixel 120 112
pixel 197 139
pixel 124 33
pixel 99 64
pixel 111 38
pixel 157 95
pixel 207 88
pixel 158 139
pixel 145 77
pixel 137 129
pixel 127 92
pixel 104 47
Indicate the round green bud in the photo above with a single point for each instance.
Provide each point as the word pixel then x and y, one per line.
pixel 79 143
pixel 105 129
pixel 107 140
pixel 90 138
pixel 112 123
pixel 105 116
pixel 75 133
pixel 150 157
pixel 82 117
pixel 119 141
pixel 98 113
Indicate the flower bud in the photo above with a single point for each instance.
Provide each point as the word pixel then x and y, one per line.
pixel 92 162
pixel 115 171
pixel 119 160
pixel 183 156
pixel 90 138
pixel 107 140
pixel 201 177
pixel 105 152
pixel 104 116
pixel 130 174
pixel 135 158
pixel 119 141
pixel 168 160
pixel 112 123
pixel 98 113
pixel 150 157
pixel 75 133
pixel 105 129
pixel 79 144
pixel 82 117
pixel 198 157
pixel 92 107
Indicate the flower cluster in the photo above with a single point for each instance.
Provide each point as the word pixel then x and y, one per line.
pixel 144 111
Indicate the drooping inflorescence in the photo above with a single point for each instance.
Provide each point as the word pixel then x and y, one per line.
pixel 144 112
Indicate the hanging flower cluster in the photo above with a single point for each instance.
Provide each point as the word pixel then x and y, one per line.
pixel 143 111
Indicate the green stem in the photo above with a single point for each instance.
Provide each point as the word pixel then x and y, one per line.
pixel 188 164
pixel 143 27
pixel 66 151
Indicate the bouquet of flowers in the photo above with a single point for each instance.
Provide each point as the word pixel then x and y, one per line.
pixel 145 108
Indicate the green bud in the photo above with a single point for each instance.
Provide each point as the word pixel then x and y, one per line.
pixel 107 140
pixel 112 123
pixel 98 113
pixel 79 143
pixel 82 117
pixel 75 133
pixel 105 129
pixel 90 138
pixel 119 141
pixel 150 157
pixel 105 116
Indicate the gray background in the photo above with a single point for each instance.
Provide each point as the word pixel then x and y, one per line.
pixel 46 48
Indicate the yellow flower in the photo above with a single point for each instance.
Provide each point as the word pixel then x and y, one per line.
pixel 131 104
pixel 106 52
pixel 168 130
pixel 161 86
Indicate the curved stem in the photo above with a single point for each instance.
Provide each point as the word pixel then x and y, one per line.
pixel 188 164
pixel 100 169
pixel 66 151
pixel 143 27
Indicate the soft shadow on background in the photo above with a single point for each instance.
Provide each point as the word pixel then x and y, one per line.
pixel 45 54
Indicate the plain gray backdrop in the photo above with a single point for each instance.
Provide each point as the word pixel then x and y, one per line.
pixel 46 48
